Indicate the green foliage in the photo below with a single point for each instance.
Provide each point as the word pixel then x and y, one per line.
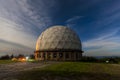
pixel 89 59
pixel 110 59
pixel 115 60
pixel 5 57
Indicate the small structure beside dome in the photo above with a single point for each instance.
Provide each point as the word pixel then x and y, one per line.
pixel 58 43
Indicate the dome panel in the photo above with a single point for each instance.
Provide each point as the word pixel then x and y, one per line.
pixel 58 37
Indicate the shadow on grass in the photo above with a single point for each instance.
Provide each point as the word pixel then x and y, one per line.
pixel 66 75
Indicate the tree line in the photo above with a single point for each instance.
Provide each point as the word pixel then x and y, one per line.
pixel 83 59
pixel 8 57
pixel 100 60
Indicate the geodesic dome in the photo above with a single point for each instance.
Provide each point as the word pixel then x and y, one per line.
pixel 58 38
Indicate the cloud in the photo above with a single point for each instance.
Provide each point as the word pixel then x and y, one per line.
pixel 71 22
pixel 38 12
pixel 12 32
pixel 21 22
pixel 106 43
pixel 14 48
pixel 28 13
pixel 106 15
pixel 73 19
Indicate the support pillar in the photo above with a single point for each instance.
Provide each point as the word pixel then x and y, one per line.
pixel 57 56
pixel 69 55
pixel 42 56
pixel 75 56
pixel 46 56
pixel 36 56
pixel 51 56
pixel 64 56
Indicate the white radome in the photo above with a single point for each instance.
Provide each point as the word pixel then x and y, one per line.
pixel 58 37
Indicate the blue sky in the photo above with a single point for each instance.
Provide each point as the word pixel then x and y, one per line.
pixel 97 22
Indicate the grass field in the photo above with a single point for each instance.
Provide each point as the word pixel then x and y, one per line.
pixel 6 61
pixel 10 61
pixel 73 71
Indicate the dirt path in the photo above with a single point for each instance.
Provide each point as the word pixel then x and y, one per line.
pixel 8 70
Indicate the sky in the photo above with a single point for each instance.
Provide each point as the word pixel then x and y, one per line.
pixel 97 23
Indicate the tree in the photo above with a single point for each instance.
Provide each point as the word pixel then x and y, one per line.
pixel 32 56
pixel 20 56
pixel 12 56
pixel 5 57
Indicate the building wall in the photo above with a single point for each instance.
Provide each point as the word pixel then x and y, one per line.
pixel 58 56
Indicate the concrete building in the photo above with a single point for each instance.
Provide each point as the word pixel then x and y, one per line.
pixel 58 43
